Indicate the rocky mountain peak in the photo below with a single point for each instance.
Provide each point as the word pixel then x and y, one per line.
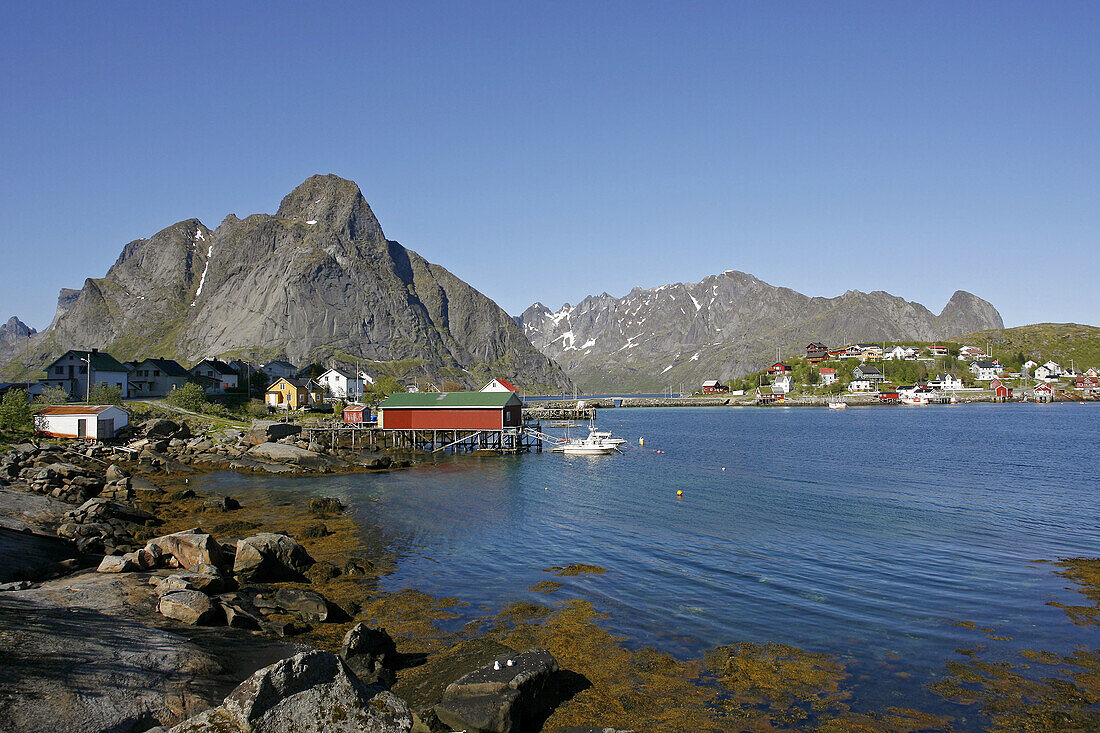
pixel 13 335
pixel 967 313
pixel 331 202
pixel 314 281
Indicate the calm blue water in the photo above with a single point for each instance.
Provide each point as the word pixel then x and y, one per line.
pixel 863 533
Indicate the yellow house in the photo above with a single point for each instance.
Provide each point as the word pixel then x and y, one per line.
pixel 289 394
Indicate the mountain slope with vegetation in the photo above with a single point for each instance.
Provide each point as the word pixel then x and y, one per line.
pixel 316 279
pixel 1041 342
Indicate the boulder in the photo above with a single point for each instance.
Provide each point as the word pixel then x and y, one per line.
pixel 311 692
pixel 240 611
pixel 268 556
pixel 190 548
pixel 117 564
pixel 159 427
pixel 322 572
pixel 188 607
pixel 325 506
pixel 181 495
pixel 284 453
pixel 370 653
pixel 221 504
pixel 305 604
pixel 263 431
pixel 144 486
pixel 115 472
pixel 503 697
pixel 203 578
pixel 315 531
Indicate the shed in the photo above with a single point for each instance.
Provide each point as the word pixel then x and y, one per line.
pixel 92 422
pixel 354 413
pixel 450 411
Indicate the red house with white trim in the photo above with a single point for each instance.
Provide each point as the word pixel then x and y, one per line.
pixel 1000 389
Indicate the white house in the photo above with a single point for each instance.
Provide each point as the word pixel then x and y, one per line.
pixel 828 375
pixel 1028 366
pixel 898 352
pixel 1054 368
pixel 986 370
pixel 503 385
pixel 344 384
pixel 945 382
pixel 781 384
pixel 1046 374
pixel 90 422
pixel 70 372
pixel 860 385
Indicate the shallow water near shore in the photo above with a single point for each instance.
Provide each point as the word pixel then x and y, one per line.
pixel 888 538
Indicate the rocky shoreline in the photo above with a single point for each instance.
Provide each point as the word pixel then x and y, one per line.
pixel 119 612
pixel 128 602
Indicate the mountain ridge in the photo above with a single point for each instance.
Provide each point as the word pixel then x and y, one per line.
pixel 316 280
pixel 723 327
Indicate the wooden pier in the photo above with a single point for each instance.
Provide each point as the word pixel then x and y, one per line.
pixel 368 436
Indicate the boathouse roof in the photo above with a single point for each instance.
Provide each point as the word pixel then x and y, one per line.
pixel 436 400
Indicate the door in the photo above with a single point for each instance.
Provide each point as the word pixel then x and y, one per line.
pixel 81 428
pixel 106 429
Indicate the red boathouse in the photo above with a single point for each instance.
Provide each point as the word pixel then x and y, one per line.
pixel 451 411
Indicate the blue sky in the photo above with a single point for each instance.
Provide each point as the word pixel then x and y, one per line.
pixel 547 151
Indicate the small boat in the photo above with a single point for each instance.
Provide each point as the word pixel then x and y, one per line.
pixel 587 447
pixel 914 399
pixel 838 405
pixel 954 400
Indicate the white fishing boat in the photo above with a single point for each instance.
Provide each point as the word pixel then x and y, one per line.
pixel 910 398
pixel 838 405
pixel 590 446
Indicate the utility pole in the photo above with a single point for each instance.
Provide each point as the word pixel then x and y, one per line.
pixel 88 388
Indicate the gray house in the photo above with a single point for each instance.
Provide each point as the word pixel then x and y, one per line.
pixel 215 375
pixel 156 378
pixel 868 372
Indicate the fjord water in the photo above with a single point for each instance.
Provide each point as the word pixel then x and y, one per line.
pixel 864 533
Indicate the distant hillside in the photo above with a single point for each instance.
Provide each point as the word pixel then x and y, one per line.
pixel 725 327
pixel 1041 342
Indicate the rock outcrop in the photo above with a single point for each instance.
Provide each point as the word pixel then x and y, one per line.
pixel 724 327
pixel 502 697
pixel 312 692
pixel 315 280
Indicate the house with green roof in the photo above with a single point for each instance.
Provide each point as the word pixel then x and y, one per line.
pixel 450 411
pixel 70 371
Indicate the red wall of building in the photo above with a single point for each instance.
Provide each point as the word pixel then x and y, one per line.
pixel 396 418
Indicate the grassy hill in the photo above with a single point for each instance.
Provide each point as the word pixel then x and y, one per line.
pixel 1041 342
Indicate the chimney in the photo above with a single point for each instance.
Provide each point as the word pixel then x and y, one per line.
pixel 95 351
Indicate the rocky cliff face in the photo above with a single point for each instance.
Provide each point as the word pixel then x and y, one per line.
pixel 724 327
pixel 318 279
pixel 14 335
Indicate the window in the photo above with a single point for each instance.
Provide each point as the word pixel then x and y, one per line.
pixel 59 371
pixel 156 372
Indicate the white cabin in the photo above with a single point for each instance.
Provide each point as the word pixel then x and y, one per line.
pixel 90 422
